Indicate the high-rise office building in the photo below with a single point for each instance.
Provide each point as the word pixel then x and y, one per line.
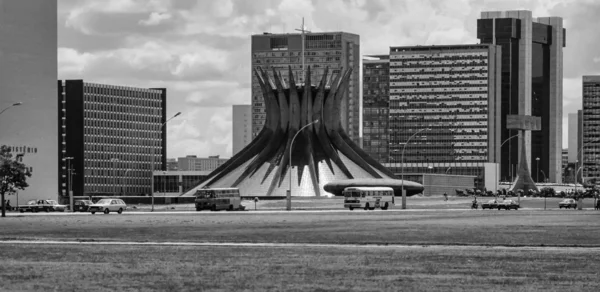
pixel 591 127
pixel 241 127
pixel 335 50
pixel 29 114
pixel 531 84
pixel 575 136
pixel 376 106
pixel 113 135
pixel 450 95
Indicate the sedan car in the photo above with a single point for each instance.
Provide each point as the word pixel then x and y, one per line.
pixel 491 204
pixel 53 205
pixel 82 205
pixel 567 204
pixel 508 204
pixel 108 205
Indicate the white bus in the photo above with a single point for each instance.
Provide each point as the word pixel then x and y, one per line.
pixel 218 199
pixel 368 198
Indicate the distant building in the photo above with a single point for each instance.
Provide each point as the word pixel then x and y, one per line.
pixel 242 127
pixel 194 163
pixel 575 136
pixel 28 66
pixel 532 78
pixel 376 107
pixel 591 127
pixel 172 164
pixel 454 91
pixel 175 183
pixel 113 135
pixel 335 50
pixel 565 158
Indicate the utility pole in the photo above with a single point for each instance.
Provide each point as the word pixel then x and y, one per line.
pixel 69 183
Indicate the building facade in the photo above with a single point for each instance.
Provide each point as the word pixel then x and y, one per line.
pixel 445 99
pixel 575 136
pixel 112 138
pixel 241 127
pixel 194 163
pixel 591 128
pixel 333 50
pixel 532 76
pixel 28 66
pixel 175 183
pixel 376 106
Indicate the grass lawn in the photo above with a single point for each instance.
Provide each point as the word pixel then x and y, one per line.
pixel 439 227
pixel 465 251
pixel 151 268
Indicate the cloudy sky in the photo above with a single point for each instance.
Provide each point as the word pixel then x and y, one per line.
pixel 200 49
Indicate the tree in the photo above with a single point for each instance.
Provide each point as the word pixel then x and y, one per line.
pixel 13 175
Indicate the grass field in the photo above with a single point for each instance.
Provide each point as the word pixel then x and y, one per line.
pixel 464 250
pixel 133 268
pixel 468 227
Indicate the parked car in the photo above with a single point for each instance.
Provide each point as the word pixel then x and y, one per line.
pixel 508 204
pixel 108 205
pixel 82 205
pixel 51 205
pixel 491 204
pixel 31 206
pixel 567 204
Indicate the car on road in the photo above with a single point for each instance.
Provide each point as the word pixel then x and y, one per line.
pixel 31 206
pixel 51 205
pixel 567 204
pixel 108 205
pixel 491 204
pixel 82 205
pixel 508 204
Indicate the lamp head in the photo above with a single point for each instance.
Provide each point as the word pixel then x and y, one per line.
pixel 178 113
pixel 17 103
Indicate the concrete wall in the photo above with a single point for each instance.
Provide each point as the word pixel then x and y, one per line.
pixel 28 74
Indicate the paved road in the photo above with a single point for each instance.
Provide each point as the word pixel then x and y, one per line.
pixel 302 245
pixel 271 211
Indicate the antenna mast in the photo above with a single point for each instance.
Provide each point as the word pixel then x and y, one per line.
pixel 303 30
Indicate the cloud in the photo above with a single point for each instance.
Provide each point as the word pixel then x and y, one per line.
pixel 155 18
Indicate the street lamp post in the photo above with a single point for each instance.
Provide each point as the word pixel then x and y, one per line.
pixel 152 163
pixel 14 104
pixel 579 207
pixel 402 165
pixel 69 184
pixel 165 183
pixel 289 194
pixel 537 169
pixel 498 170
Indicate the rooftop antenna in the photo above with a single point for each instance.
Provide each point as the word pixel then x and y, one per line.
pixel 303 30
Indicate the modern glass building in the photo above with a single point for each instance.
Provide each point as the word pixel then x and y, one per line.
pixel 446 100
pixel 111 137
pixel 591 127
pixel 376 106
pixel 531 84
pixel 335 50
